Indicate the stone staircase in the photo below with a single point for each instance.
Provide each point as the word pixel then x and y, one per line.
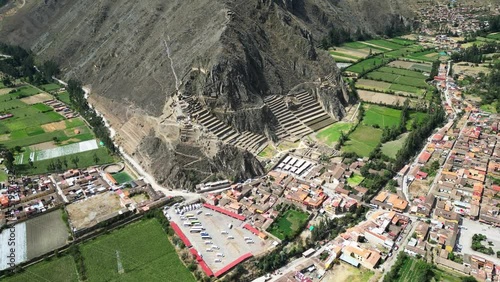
pixel 289 124
pixel 246 140
pixel 311 113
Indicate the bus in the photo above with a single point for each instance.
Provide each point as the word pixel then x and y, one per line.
pixel 206 237
pixel 190 215
pixel 187 223
pixel 196 230
pixel 195 222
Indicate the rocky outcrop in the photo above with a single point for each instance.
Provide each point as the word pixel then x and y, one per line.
pixel 228 55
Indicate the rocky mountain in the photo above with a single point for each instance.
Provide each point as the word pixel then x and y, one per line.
pixel 148 61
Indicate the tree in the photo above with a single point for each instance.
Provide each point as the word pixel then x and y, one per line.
pixel 75 160
pixel 7 82
pixel 17 149
pixel 8 159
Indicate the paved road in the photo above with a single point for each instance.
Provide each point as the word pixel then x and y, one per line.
pixel 390 261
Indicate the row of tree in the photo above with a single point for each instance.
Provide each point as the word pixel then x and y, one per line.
pixel 476 54
pixel 77 98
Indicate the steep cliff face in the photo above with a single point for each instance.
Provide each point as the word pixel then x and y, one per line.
pixel 140 57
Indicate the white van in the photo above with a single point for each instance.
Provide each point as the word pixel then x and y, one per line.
pixel 247 238
pixel 208 214
pixel 215 247
pixel 208 242
pixel 230 237
pixel 223 232
pixel 209 250
pixel 217 260
pixel 220 255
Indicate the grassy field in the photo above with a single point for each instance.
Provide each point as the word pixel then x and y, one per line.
pixel 491 108
pixel 288 223
pixel 50 87
pixel 426 56
pixel 268 152
pixel 381 116
pixel 355 180
pixel 144 251
pixel 331 134
pixel 367 65
pixel 363 140
pixel 404 72
pixel 391 148
pixel 385 44
pixel 64 97
pixel 85 159
pixel 344 55
pixel 403 52
pixel 122 177
pixel 402 41
pixel 398 79
pixel 495 36
pixel 62 269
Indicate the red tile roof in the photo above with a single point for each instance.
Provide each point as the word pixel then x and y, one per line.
pixel 252 229
pixel 224 211
pixel 181 235
pixel 233 264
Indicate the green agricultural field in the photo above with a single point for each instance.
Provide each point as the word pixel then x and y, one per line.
pixel 367 64
pixel 385 44
pixel 288 224
pixel 122 177
pixel 355 180
pixel 404 72
pixel 426 56
pixel 491 108
pixel 403 52
pixel 64 97
pixel 50 87
pixel 355 45
pixel 391 148
pixel 27 90
pixel 85 159
pixel 381 116
pixel 402 41
pixel 363 140
pixel 398 79
pixel 495 36
pixel 421 67
pixel 144 252
pixel 331 134
pixel 62 269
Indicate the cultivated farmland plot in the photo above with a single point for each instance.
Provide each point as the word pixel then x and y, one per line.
pixel 83 146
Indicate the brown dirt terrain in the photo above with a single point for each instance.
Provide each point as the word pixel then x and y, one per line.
pixel 373 83
pixel 87 213
pixel 5 91
pixel 43 146
pixel 401 64
pixel 344 272
pixel 54 126
pixel 418 188
pixel 38 98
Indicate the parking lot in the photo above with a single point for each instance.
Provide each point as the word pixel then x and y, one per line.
pixel 475 227
pixel 219 250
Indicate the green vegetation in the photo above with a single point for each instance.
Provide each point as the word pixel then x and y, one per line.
pixel 355 180
pixel 402 41
pixel 367 65
pixel 478 246
pixel 344 55
pixel 122 177
pixel 391 148
pixel 95 157
pixel 386 44
pixel 61 269
pixel 268 152
pixel 64 97
pixel 399 79
pixel 331 134
pixel 426 56
pixel 50 87
pixel 289 224
pixel 363 140
pixel 407 88
pixel 404 72
pixel 381 116
pixel 144 252
pixel 407 269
